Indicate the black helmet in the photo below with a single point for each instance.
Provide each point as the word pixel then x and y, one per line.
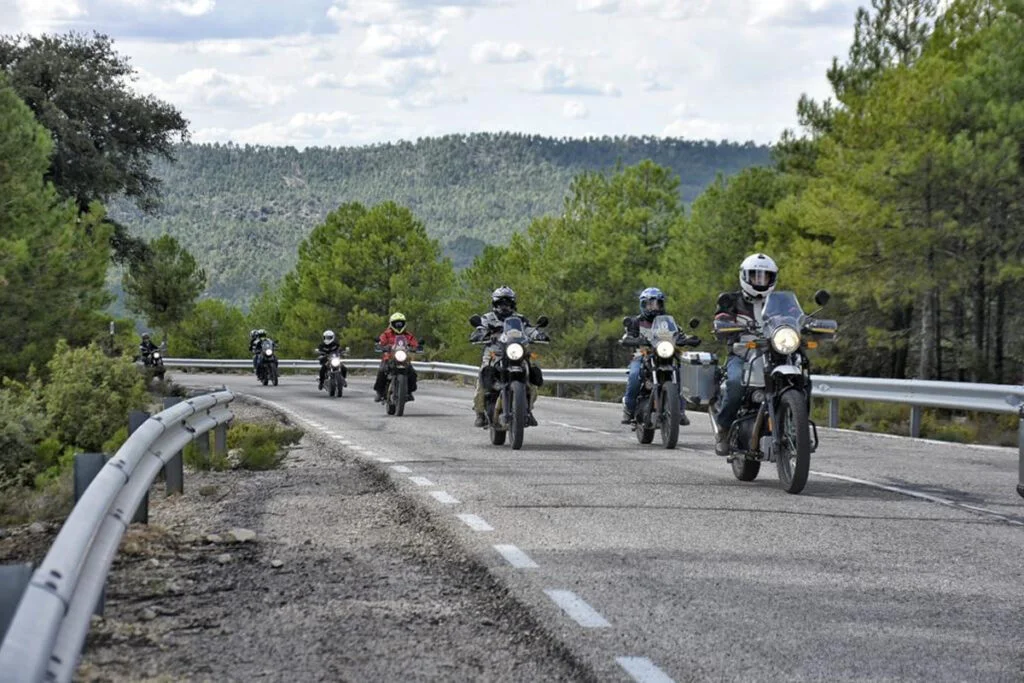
pixel 503 302
pixel 652 303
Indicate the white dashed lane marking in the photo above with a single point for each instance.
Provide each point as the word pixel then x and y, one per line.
pixel 444 497
pixel 401 468
pixel 383 459
pixel 643 670
pixel 515 557
pixel 421 481
pixel 475 523
pixel 578 610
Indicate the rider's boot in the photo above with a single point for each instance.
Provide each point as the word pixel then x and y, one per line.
pixel 722 442
pixel 531 421
pixel 410 398
pixel 379 398
pixel 683 420
pixel 627 416
pixel 481 420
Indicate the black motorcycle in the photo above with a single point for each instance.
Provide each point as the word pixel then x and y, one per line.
pixel 397 369
pixel 505 379
pixel 657 404
pixel 266 363
pixel 335 381
pixel 773 423
pixel 154 363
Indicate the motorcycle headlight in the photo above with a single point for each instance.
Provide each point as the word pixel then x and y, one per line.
pixel 156 355
pixel 335 362
pixel 269 352
pixel 401 356
pixel 514 351
pixel 785 340
pixel 665 349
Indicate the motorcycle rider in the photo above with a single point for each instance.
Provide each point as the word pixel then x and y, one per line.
pixel 652 304
pixel 503 305
pixel 256 337
pixel 758 275
pixel 324 350
pixel 146 348
pixel 396 328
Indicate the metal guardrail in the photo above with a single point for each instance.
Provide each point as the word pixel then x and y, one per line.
pixel 45 637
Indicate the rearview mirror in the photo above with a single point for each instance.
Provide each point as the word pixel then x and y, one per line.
pixel 725 300
pixel 475 320
pixel 626 321
pixel 821 297
pixel 542 321
pixel 694 323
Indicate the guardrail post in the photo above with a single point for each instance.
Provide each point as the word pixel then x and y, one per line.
pixel 14 579
pixel 174 469
pixel 220 440
pixel 136 418
pixel 559 389
pixel 203 448
pixel 915 420
pixel 833 412
pixel 597 392
pixel 1020 451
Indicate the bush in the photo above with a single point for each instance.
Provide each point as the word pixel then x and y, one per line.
pixel 215 462
pixel 261 446
pixel 23 425
pixel 90 394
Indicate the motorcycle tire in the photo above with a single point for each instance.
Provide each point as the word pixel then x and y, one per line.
pixel 497 435
pixel 520 406
pixel 669 415
pixel 644 432
pixel 330 385
pixel 794 427
pixel 745 470
pixel 401 390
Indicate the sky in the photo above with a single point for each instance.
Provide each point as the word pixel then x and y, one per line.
pixel 355 72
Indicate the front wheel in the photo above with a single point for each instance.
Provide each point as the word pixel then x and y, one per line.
pixel 401 390
pixel 497 434
pixel 644 433
pixel 745 470
pixel 669 415
pixel 520 404
pixel 793 441
pixel 273 374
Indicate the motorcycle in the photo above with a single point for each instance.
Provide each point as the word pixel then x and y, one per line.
pixel 397 369
pixel 773 422
pixel 266 364
pixel 657 404
pixel 506 376
pixel 154 361
pixel 335 381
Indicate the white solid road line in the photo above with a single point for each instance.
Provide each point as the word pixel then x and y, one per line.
pixel 643 670
pixel 383 459
pixel 516 557
pixel 421 481
pixel 475 523
pixel 923 496
pixel 444 497
pixel 582 429
pixel 580 612
pixel 401 468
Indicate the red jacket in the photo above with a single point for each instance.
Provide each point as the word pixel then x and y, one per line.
pixel 388 338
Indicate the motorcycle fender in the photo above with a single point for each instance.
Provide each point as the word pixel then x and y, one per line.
pixel 786 370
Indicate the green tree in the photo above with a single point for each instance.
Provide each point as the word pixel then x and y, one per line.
pixel 52 259
pixel 213 329
pixel 106 134
pixel 165 284
pixel 357 267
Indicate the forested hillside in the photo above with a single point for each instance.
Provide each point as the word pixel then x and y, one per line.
pixel 243 210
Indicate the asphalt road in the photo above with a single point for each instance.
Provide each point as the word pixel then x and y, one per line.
pixel 901 560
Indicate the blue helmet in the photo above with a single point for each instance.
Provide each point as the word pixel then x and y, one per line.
pixel 652 303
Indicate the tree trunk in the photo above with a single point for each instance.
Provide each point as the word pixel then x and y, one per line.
pixel 978 364
pixel 937 328
pixel 959 338
pixel 1000 334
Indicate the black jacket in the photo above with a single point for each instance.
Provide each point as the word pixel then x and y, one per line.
pixel 740 310
pixel 327 349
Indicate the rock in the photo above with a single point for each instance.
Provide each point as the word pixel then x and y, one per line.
pixel 153 562
pixel 37 528
pixel 214 538
pixel 208 490
pixel 276 564
pixel 241 535
pixel 190 539
pixel 147 614
pixel 223 558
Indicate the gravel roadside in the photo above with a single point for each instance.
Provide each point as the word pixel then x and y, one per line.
pixel 345 579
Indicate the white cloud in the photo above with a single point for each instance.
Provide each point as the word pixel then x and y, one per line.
pixel 681 9
pixel 187 8
pixel 301 130
pixel 574 109
pixel 601 6
pixel 212 88
pixel 650 75
pixel 426 100
pixel 346 13
pixel 395 77
pixel 322 79
pixel 563 78
pixel 490 52
pixel 400 41
pixel 703 129
pixel 683 110
pixel 41 15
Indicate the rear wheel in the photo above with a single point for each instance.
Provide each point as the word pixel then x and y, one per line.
pixel 669 415
pixel 794 442
pixel 520 404
pixel 401 394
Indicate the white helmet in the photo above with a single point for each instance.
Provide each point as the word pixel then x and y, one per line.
pixel 758 274
pixel 328 336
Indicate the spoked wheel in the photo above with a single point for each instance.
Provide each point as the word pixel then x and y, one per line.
pixel 265 377
pixel 519 407
pixel 497 435
pixel 669 415
pixel 644 434
pixel 330 385
pixel 401 394
pixel 389 401
pixel 794 456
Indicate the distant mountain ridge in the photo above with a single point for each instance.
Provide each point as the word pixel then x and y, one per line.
pixel 242 210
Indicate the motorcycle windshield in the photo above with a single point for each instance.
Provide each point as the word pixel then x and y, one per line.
pixel 782 307
pixel 513 330
pixel 663 327
pixel 401 342
pixel 267 344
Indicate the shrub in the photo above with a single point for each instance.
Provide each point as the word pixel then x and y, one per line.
pixel 90 394
pixel 23 425
pixel 215 462
pixel 260 445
